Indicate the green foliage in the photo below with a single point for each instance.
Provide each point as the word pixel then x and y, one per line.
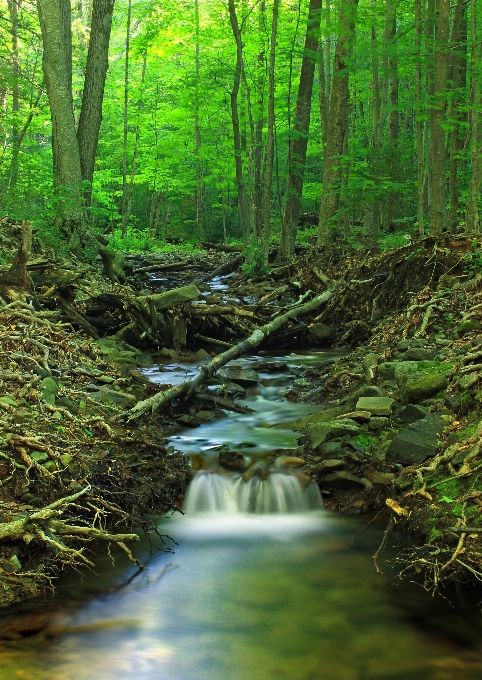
pixel 136 241
pixel 254 264
pixel 434 534
pixel 3 259
pixel 473 259
pixel 364 440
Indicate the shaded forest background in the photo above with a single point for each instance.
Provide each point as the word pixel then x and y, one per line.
pixel 228 121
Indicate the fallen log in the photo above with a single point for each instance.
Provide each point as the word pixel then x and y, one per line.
pixel 188 387
pixel 222 248
pixel 226 268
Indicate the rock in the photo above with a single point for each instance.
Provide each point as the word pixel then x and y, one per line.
pixel 411 413
pixel 345 480
pixel 331 449
pixel 201 354
pixel 214 299
pixel 232 391
pixel 172 298
pixel 382 477
pixel 423 387
pixel 418 381
pixel 418 354
pixel 367 391
pixel 377 406
pixel 289 462
pixel 68 404
pixel 323 332
pixel 469 327
pixel 418 441
pixel 259 469
pixel 49 388
pixel 319 433
pixel 359 416
pixel 243 376
pixel 232 460
pixel 468 379
pixel 403 345
pixel 301 424
pixel 452 402
pixel 377 423
pixel 386 370
pixel 169 353
pixel 303 479
pixel 329 465
pixel 117 397
pixel 370 364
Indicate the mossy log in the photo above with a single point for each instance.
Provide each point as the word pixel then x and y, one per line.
pixel 188 387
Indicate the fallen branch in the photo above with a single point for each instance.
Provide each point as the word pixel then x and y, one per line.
pixel 188 387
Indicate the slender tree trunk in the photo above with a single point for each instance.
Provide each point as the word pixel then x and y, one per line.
pixel 393 99
pixel 197 129
pixel 437 118
pixel 418 120
pixel 458 46
pixel 268 184
pixel 126 120
pixel 472 215
pixel 13 7
pixel 96 71
pixel 299 138
pixel 322 97
pixel 128 203
pixel 238 153
pixel 337 123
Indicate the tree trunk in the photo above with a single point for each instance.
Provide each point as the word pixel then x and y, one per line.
pixel 437 118
pixel 96 71
pixel 458 47
pixel 418 120
pixel 13 7
pixel 299 135
pixel 238 152
pixel 268 183
pixel 126 120
pixel 197 129
pixel 337 123
pixel 472 215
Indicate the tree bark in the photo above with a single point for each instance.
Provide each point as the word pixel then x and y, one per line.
pixel 96 71
pixel 437 118
pixel 472 215
pixel 238 150
pixel 126 120
pixel 268 183
pixel 337 123
pixel 17 274
pixel 299 134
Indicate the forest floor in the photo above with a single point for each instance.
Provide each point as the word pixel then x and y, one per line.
pixel 399 436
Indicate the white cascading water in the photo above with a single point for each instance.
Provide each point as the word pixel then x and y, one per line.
pixel 229 494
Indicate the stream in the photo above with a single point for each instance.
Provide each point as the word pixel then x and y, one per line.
pixel 264 584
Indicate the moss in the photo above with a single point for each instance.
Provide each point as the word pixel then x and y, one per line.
pixel 443 367
pixel 434 534
pixel 449 488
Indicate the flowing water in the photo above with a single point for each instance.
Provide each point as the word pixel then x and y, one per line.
pixel 263 585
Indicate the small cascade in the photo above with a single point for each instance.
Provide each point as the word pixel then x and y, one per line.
pixel 229 494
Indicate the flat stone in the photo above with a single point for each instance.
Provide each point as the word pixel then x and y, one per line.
pixel 117 397
pixel 331 449
pixel 403 345
pixel 418 354
pixel 345 480
pixel 289 462
pixel 359 416
pixel 105 379
pixel 417 442
pixel 301 424
pixel 321 331
pixel 243 376
pixel 329 465
pixel 377 406
pixel 382 477
pixel 319 433
pixel 416 389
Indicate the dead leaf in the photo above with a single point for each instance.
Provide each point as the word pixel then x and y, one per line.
pixel 396 507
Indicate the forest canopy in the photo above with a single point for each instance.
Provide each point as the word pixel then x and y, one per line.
pixel 231 120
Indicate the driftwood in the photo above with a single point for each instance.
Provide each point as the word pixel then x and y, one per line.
pixel 188 387
pixel 226 268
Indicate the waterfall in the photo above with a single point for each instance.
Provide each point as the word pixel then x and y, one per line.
pixel 228 493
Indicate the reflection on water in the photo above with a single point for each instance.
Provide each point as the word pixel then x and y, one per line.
pixel 250 596
pixel 253 597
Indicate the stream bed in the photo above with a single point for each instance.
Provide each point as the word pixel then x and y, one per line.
pixel 249 595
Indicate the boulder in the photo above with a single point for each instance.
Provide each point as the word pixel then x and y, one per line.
pixel 411 413
pixel 418 354
pixel 346 480
pixel 359 416
pixel 366 391
pixel 242 376
pixel 232 460
pixel 418 441
pixel 382 477
pixel 289 462
pixel 378 422
pixel 201 354
pixel 301 424
pixel 118 397
pixel 417 380
pixel 329 465
pixel 331 449
pixel 319 433
pixel 377 406
pixel 323 332
pixel 403 345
